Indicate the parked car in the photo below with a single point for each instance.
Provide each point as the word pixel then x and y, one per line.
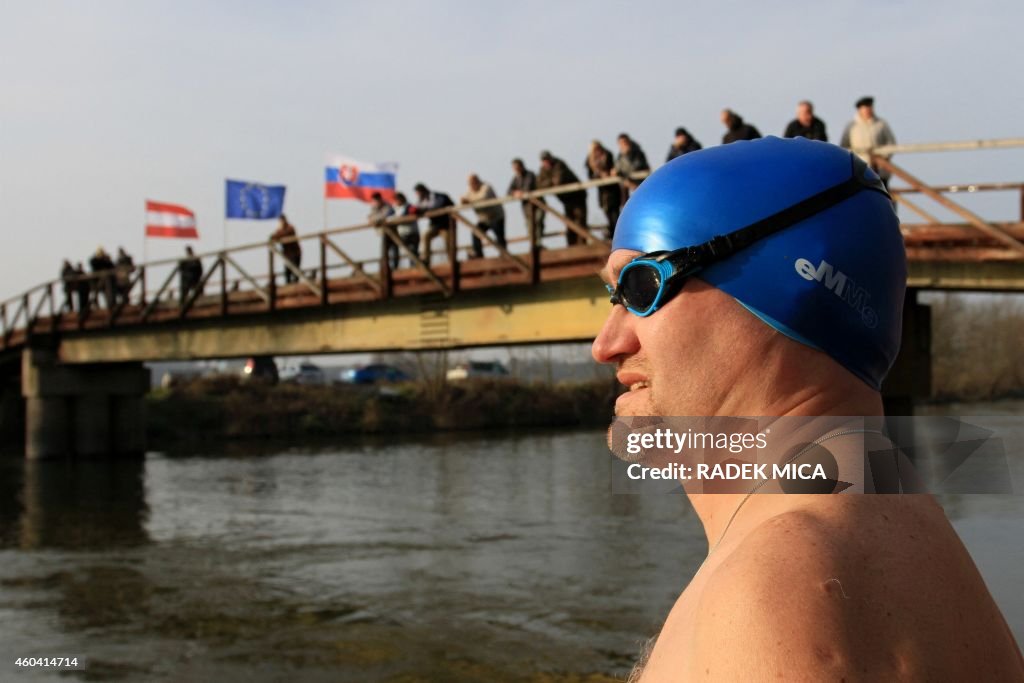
pixel 374 374
pixel 474 369
pixel 261 368
pixel 303 373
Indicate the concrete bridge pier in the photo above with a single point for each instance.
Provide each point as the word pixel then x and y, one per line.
pixel 85 410
pixel 12 412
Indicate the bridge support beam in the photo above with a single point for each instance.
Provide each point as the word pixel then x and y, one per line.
pixel 83 410
pixel 910 379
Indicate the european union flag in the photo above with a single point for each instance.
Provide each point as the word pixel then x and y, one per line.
pixel 253 200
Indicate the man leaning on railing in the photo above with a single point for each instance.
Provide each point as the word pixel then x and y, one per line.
pixel 409 232
pixel 555 172
pixel 380 211
pixel 439 225
pixel 523 181
pixel 490 218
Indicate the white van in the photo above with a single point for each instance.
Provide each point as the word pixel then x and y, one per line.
pixel 472 369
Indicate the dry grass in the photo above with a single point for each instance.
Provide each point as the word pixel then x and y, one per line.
pixel 221 407
pixel 977 346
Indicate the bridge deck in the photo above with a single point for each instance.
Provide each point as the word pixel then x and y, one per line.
pixel 582 261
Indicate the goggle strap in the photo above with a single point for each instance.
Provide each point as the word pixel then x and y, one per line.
pixel 723 246
pixel 690 260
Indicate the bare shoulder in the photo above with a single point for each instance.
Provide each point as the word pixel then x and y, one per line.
pixel 820 594
pixel 775 606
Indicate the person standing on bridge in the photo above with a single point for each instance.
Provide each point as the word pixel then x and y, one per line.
pixel 410 230
pixel 380 211
pixel 806 124
pixel 600 164
pixel 553 173
pixel 489 217
pixel 83 288
pixel 524 181
pixel 123 269
pixel 866 132
pixel 67 278
pixel 102 268
pixel 737 128
pixel 290 249
pixel 716 311
pixel 684 143
pixel 631 160
pixel 190 272
pixel 439 225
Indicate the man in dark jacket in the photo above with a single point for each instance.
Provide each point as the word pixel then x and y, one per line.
pixel 806 124
pixel 555 172
pixel 439 225
pixel 737 128
pixel 523 181
pixel 684 143
pixel 600 164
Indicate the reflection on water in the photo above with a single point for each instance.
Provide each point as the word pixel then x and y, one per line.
pixel 496 558
pixel 75 505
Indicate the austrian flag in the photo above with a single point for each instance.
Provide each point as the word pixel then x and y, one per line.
pixel 170 220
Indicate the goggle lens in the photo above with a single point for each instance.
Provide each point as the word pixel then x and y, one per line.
pixel 639 285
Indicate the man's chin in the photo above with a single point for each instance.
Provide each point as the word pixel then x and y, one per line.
pixel 634 403
pixel 612 438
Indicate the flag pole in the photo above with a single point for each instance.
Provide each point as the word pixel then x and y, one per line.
pixel 145 240
pixel 225 214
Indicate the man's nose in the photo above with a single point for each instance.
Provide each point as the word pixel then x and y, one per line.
pixel 617 337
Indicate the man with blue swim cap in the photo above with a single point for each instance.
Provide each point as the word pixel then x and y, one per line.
pixel 767 278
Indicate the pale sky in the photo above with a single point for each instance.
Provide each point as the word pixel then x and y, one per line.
pixel 106 104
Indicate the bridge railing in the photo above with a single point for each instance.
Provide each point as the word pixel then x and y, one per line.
pixel 172 289
pixel 225 283
pixel 974 240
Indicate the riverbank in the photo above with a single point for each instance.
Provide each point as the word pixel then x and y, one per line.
pixel 225 407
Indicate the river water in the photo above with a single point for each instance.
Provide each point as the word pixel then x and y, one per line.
pixel 445 558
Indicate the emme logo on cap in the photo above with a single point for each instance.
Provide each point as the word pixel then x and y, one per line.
pixel 841 285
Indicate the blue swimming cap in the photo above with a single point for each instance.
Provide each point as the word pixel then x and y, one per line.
pixel 834 281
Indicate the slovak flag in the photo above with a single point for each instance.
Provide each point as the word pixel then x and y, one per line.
pixel 350 179
pixel 169 220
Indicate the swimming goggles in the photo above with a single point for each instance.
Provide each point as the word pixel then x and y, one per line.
pixel 651 280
